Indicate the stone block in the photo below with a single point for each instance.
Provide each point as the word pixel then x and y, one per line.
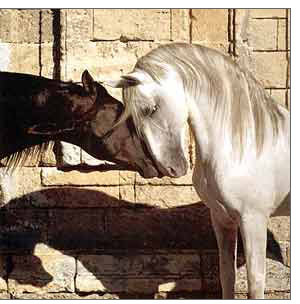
pixel 42 274
pixel 209 28
pixel 283 35
pixel 270 68
pixel 24 58
pixel 22 229
pixel 139 265
pixel 73 197
pixel 76 229
pixel 26 25
pixel 16 186
pixel 166 196
pixel 268 13
pixel 104 60
pixel 280 96
pixel 280 227
pixel 132 24
pixel 185 180
pixel 55 177
pixel 183 227
pixel 65 296
pixel 137 286
pixel 67 154
pixel 262 34
pixel 277 277
pixel 127 194
pixel 79 24
pixel 180 25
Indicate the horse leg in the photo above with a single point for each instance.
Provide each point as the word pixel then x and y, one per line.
pixel 254 234
pixel 227 242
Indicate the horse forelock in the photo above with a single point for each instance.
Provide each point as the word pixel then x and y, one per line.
pixel 239 104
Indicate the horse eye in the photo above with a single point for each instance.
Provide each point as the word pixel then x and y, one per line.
pixel 148 111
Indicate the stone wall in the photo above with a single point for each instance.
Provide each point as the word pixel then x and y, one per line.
pixel 114 234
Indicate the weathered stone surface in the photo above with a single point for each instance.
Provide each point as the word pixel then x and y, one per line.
pixel 180 25
pixel 166 196
pixel 65 296
pixel 110 59
pixel 67 154
pixel 183 227
pixel 22 229
pixel 54 177
pixel 79 24
pixel 137 286
pixel 139 265
pixel 209 28
pixel 270 68
pixel 132 24
pixel 277 277
pixel 26 25
pixel 268 13
pixel 76 229
pixel 127 194
pixel 72 197
pixel 41 274
pixel 280 226
pixel 262 34
pixel 283 35
pixel 280 96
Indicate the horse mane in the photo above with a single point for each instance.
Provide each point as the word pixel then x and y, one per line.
pixel 21 158
pixel 239 103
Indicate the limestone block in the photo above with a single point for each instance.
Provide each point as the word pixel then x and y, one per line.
pixel 4 56
pixel 270 68
pixel 127 194
pixel 22 229
pixel 72 197
pixel 42 274
pixel 65 296
pixel 76 229
pixel 54 177
pixel 67 154
pixel 262 34
pixel 166 196
pixel 24 58
pixel 280 96
pixel 209 28
pixel 184 180
pixel 26 25
pixel 268 13
pixel 104 60
pixel 79 24
pixel 8 26
pixel 137 286
pixel 182 227
pixel 280 226
pixel 283 35
pixel 180 25
pixel 139 265
pixel 132 24
pixel 277 277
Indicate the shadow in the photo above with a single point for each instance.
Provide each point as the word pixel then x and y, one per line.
pixel 82 222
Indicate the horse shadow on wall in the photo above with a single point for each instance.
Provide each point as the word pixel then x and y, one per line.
pixel 114 227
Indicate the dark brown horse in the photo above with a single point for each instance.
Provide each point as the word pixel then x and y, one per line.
pixel 35 110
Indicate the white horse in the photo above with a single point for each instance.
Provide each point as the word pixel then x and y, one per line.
pixel 242 169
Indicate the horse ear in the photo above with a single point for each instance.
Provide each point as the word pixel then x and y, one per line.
pixel 88 83
pixel 125 81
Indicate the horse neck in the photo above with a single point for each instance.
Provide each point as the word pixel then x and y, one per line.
pixel 202 130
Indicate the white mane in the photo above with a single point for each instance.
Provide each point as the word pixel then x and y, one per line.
pixel 237 101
